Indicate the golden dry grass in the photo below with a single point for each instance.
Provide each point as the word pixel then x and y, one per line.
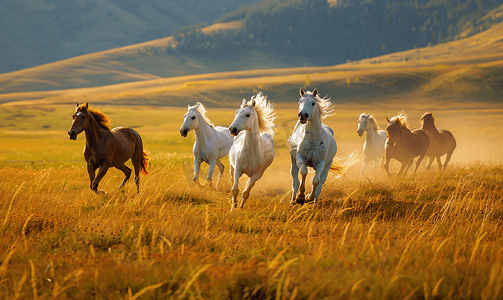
pixel 433 235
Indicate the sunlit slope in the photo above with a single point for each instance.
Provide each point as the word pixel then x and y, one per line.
pixel 469 69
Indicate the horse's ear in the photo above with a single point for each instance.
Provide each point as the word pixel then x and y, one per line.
pixel 368 116
pixel 387 119
pixel 77 105
pixel 244 102
pixel 188 106
pixel 315 92
pixel 87 105
pixel 301 92
pixel 253 103
pixel 196 106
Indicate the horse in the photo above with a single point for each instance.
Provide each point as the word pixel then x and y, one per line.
pixel 253 148
pixel 441 142
pixel 375 140
pixel 312 144
pixel 404 144
pixel 212 142
pixel 107 147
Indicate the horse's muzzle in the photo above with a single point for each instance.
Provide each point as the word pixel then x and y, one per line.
pixel 72 134
pixel 360 132
pixel 234 131
pixel 303 117
pixel 183 132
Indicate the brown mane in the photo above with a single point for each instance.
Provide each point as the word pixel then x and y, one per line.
pixel 100 117
pixel 400 119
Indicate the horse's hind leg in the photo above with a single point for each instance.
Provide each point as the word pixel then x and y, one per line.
pixel 127 173
pixel 439 162
pixel 448 158
pixel 317 191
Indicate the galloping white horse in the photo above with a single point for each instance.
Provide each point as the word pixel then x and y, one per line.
pixel 212 143
pixel 374 147
pixel 253 148
pixel 312 144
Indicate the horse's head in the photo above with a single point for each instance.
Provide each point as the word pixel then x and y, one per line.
pixel 363 124
pixel 245 118
pixel 81 120
pixel 190 120
pixel 427 119
pixel 308 106
pixel 393 132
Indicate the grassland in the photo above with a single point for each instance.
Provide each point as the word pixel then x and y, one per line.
pixel 429 236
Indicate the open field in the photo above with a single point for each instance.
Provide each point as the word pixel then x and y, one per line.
pixel 433 235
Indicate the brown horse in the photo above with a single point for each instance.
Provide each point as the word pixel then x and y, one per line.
pixel 441 142
pixel 107 148
pixel 404 144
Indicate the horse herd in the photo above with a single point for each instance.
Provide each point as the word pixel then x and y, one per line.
pixel 249 143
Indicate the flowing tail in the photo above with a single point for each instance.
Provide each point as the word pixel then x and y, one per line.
pixel 339 168
pixel 145 157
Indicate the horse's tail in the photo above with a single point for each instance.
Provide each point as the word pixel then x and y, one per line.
pixel 145 157
pixel 141 155
pixel 339 168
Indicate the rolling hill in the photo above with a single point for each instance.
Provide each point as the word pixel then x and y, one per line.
pixel 36 32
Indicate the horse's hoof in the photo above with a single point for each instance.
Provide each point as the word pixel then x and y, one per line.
pixel 101 193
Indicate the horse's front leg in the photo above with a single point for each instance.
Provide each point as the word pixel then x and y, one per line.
pixel 317 191
pixel 246 192
pixel 197 166
pixel 430 162
pixel 91 170
pixel 318 170
pixel 103 169
pixel 221 169
pixel 386 163
pixel 418 162
pixel 301 164
pixel 211 168
pixel 235 188
pixel 294 170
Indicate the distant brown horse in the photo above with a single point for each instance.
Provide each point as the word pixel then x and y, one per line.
pixel 107 148
pixel 404 145
pixel 441 142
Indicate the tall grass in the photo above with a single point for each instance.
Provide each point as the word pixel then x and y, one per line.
pixel 434 235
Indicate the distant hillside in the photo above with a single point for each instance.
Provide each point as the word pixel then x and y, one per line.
pixel 470 70
pixel 35 32
pixel 333 32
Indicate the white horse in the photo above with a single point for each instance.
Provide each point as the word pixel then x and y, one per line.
pixel 312 144
pixel 374 147
pixel 212 142
pixel 253 148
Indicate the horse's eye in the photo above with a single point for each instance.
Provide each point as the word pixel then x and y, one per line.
pixel 194 117
pixel 313 103
pixel 247 115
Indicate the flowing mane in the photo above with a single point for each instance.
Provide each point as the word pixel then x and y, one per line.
pixel 265 112
pixel 202 110
pixel 99 116
pixel 400 119
pixel 373 122
pixel 325 106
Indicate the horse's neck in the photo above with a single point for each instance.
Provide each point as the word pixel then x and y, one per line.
pixel 203 132
pixel 371 134
pixel 430 128
pixel 314 128
pixel 253 141
pixel 94 133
